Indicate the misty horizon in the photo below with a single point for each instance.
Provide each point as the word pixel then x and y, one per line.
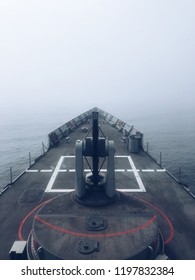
pixel 134 57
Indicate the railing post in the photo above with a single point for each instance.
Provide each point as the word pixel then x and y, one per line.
pixel 29 159
pixel 147 147
pixel 179 174
pixel 43 148
pixel 160 159
pixel 11 177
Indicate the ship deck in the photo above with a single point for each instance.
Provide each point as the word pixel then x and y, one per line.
pixel 137 173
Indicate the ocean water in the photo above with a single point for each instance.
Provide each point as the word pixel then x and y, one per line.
pixel 172 134
pixel 20 136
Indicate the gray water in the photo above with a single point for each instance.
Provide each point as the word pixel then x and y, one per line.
pixel 171 134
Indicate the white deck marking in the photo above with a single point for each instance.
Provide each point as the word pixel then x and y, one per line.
pixel 69 156
pixel 71 170
pixel 133 169
pixel 130 190
pixel 57 170
pixel 120 156
pixel 55 173
pixel 61 190
pixel 137 177
pixel 88 170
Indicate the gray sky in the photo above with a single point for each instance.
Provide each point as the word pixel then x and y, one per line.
pixel 74 55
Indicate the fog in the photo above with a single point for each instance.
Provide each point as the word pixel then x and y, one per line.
pixel 126 57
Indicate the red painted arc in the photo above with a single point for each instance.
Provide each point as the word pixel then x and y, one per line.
pixel 112 234
pixel 28 216
pixel 148 203
pixel 164 216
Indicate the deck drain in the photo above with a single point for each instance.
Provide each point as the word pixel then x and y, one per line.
pixel 96 223
pixel 87 246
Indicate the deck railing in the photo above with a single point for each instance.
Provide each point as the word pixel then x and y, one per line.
pixel 64 131
pixel 15 172
pixel 178 177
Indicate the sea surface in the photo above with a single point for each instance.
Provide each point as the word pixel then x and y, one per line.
pixel 171 134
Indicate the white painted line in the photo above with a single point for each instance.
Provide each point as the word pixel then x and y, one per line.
pixel 118 156
pixel 130 190
pixel 69 156
pixel 46 170
pixel 57 169
pixel 32 170
pixel 137 177
pixel 61 190
pixel 85 170
pixel 54 175
pixel 70 190
pixel 147 170
pixel 122 156
pixel 161 170
pixel 102 170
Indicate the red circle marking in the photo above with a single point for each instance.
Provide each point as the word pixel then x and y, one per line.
pixel 147 224
pixel 111 234
pixel 27 216
pixel 164 216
